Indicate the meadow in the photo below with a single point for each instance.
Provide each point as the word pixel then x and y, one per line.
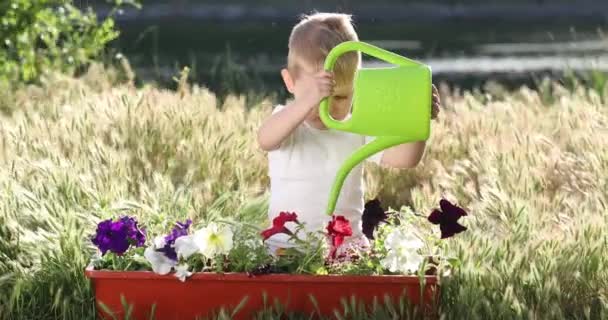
pixel 531 167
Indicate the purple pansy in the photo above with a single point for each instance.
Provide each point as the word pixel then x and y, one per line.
pixel 118 236
pixel 181 229
pixel 136 236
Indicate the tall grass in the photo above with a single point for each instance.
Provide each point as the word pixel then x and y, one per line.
pixel 533 175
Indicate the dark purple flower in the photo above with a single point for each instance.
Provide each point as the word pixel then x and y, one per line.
pixel 118 236
pixel 447 218
pixel 373 215
pixel 102 238
pixel 135 235
pixel 180 229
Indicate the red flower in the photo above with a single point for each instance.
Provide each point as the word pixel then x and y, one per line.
pixel 338 229
pixel 278 224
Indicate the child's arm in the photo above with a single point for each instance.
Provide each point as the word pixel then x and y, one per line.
pixel 408 155
pixel 280 125
pixel 308 91
pixel 404 156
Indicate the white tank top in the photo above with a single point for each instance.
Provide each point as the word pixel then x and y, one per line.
pixel 302 172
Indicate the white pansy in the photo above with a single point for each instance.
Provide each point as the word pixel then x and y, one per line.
pixel 391 261
pixel 160 263
pixel 414 260
pixel 214 239
pixel 181 272
pixel 402 253
pixel 185 246
pixel 159 242
pixel 398 238
pixel 404 263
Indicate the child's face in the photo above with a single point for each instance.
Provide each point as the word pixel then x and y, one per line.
pixel 339 106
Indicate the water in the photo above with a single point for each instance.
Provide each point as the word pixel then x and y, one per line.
pixel 244 50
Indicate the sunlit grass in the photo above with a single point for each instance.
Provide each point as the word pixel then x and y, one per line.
pixel 532 172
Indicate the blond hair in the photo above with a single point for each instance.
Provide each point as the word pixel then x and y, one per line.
pixel 312 39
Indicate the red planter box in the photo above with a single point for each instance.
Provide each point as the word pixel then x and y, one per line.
pixel 204 293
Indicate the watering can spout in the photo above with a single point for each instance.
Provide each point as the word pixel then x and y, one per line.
pixel 392 104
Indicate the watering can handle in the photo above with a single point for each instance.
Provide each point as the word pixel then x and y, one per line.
pixel 366 48
pixel 373 147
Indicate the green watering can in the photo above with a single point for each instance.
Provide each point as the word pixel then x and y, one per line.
pixel 392 104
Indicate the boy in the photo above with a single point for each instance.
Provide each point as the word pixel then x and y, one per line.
pixel 304 156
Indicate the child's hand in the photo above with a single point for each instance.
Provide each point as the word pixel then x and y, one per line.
pixel 311 89
pixel 436 104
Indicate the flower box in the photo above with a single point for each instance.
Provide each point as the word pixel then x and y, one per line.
pixel 206 293
pixel 226 267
